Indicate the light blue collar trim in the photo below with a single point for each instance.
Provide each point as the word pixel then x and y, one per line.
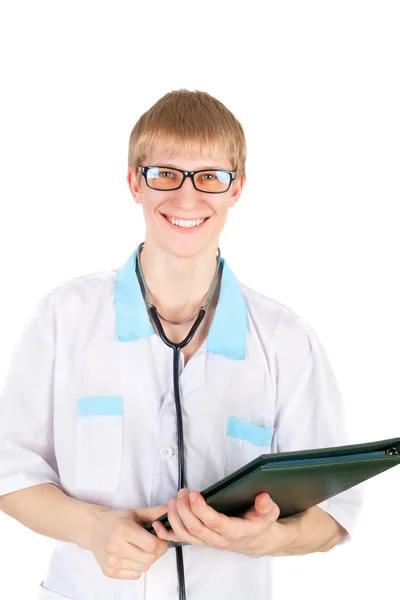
pixel 228 330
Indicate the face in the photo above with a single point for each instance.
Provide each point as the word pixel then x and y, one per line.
pixel 186 203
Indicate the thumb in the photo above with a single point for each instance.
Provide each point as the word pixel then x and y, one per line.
pixel 145 515
pixel 262 504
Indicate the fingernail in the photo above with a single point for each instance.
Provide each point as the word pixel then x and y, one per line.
pixel 181 493
pixel 171 504
pixel 192 496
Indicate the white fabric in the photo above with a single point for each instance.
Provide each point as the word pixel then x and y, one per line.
pixel 68 350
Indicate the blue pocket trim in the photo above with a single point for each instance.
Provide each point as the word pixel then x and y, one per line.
pixel 99 405
pixel 261 436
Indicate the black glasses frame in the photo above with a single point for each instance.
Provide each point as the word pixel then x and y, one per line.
pixel 185 174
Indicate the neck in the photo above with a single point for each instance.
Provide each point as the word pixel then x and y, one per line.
pixel 178 285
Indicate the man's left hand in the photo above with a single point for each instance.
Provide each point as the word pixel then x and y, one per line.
pixel 256 533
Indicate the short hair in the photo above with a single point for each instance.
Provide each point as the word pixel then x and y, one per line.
pixel 189 122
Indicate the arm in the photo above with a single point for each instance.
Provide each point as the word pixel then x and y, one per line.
pixel 313 530
pixel 311 414
pixel 47 510
pixel 30 482
pixel 120 545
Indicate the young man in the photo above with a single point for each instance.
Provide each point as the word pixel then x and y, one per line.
pixel 88 427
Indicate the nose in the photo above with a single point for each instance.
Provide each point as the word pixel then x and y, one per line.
pixel 188 185
pixel 188 195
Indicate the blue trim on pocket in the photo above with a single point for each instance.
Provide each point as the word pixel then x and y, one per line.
pixel 261 436
pixel 99 405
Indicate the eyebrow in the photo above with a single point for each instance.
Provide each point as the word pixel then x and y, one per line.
pixel 171 166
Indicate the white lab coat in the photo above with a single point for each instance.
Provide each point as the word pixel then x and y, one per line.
pixel 88 405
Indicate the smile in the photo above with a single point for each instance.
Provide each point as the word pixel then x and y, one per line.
pixel 186 224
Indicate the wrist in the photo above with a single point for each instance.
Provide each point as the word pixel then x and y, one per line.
pixel 280 538
pixel 289 532
pixel 92 515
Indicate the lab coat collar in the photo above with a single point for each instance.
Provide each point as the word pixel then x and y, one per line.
pixel 228 330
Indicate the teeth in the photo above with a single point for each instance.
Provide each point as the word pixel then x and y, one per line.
pixel 182 223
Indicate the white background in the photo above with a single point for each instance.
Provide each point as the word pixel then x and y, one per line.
pixel 316 88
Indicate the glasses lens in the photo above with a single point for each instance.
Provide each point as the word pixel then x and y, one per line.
pixel 163 179
pixel 212 181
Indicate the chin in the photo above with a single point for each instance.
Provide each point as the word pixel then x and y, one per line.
pixel 187 249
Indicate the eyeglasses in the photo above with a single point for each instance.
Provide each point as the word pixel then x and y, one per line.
pixel 165 179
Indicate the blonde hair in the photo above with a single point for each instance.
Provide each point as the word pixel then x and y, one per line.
pixel 188 122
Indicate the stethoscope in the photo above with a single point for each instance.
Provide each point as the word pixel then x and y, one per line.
pixel 176 348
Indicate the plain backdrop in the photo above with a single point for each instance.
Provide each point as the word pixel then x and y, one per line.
pixel 316 88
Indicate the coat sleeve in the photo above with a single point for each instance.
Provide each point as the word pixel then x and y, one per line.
pixel 27 454
pixel 314 417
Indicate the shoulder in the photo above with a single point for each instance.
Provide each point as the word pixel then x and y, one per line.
pixel 79 295
pixel 278 322
pixel 289 343
pixel 294 352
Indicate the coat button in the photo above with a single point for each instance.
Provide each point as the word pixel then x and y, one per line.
pixel 166 452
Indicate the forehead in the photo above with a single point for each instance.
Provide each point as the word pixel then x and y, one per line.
pixel 190 155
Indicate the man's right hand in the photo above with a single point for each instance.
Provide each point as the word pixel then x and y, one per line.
pixel 121 545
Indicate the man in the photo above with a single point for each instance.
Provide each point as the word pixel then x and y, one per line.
pixel 88 451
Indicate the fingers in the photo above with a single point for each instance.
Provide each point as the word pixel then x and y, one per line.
pixel 190 522
pixel 179 530
pixel 121 545
pixel 134 554
pixel 127 561
pixel 198 523
pixel 225 528
pixel 144 540
pixel 118 567
pixel 145 515
pixel 131 558
pixel 122 574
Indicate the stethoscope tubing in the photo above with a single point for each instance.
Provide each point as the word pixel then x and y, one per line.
pixel 179 421
pixel 176 347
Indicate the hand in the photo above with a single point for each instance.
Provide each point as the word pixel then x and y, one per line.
pixel 120 544
pixel 255 534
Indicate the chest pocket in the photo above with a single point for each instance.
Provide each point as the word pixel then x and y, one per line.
pixel 244 443
pixel 99 442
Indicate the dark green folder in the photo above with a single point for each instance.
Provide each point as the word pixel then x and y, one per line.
pixel 298 480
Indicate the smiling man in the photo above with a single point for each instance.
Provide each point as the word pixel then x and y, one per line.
pixel 121 427
pixel 184 214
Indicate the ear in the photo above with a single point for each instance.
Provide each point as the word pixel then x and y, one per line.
pixel 133 183
pixel 237 190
